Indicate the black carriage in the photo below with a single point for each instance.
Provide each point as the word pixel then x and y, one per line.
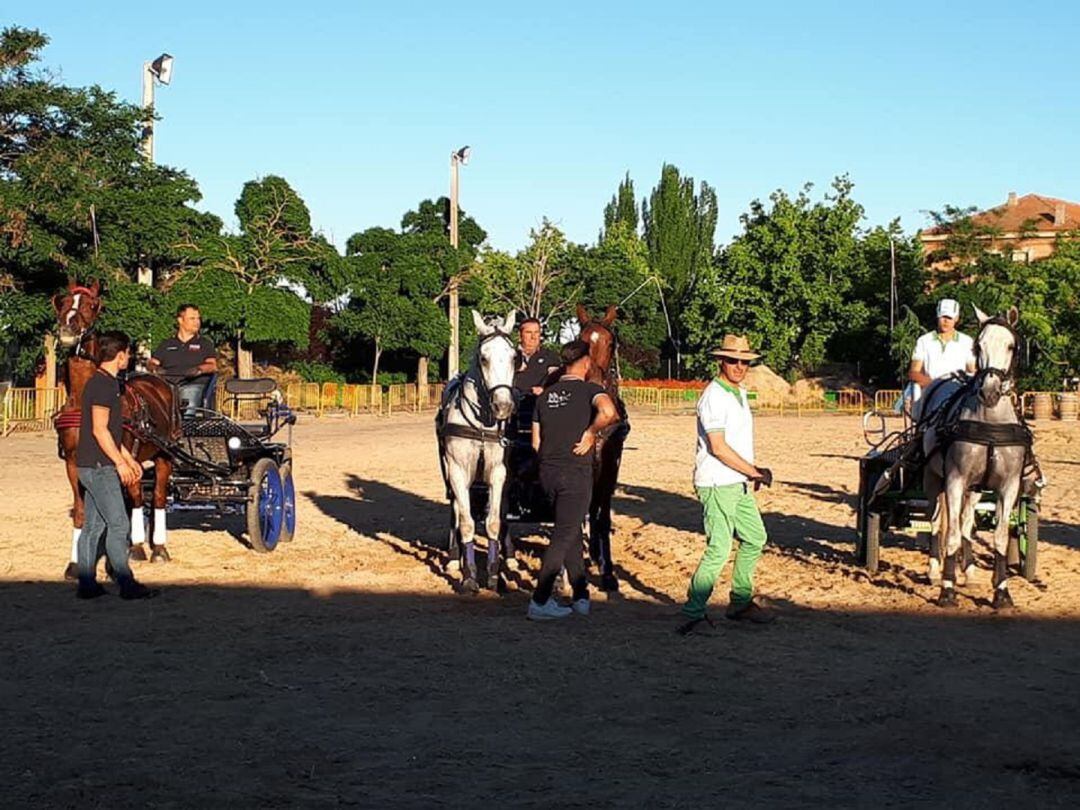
pixel 238 464
pixel 891 497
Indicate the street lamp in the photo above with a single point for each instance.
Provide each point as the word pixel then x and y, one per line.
pixel 458 158
pixel 159 70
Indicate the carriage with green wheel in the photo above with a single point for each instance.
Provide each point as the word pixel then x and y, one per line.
pixel 237 463
pixel 891 499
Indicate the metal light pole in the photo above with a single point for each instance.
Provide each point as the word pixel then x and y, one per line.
pixel 458 158
pixel 892 286
pixel 160 70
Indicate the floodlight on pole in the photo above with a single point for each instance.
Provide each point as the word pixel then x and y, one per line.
pixel 457 158
pixel 159 70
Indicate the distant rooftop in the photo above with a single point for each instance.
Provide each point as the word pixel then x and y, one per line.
pixel 1032 212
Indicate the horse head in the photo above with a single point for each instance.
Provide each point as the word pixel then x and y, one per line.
pixel 996 351
pixel 601 339
pixel 77 309
pixel 495 362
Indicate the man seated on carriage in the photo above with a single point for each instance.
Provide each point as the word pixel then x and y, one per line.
pixel 536 366
pixel 187 360
pixel 938 354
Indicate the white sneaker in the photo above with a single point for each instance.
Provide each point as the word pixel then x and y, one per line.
pixel 580 607
pixel 549 610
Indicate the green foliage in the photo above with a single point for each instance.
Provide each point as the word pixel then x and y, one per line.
pixel 432 217
pixel 23 319
pixel 679 230
pixel 316 372
pixel 622 209
pixel 785 281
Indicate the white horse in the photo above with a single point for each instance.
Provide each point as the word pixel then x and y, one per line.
pixel 980 443
pixel 471 427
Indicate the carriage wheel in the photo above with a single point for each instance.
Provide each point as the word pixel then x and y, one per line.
pixel 264 506
pixel 1030 543
pixel 288 504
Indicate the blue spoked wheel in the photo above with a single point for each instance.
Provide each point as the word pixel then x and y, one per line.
pixel 265 506
pixel 288 505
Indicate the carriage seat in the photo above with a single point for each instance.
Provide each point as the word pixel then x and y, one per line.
pixel 256 390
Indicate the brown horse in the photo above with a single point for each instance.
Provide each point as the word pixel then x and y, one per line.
pixel 607 454
pixel 149 410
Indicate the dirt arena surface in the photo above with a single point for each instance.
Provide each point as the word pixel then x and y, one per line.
pixel 343 669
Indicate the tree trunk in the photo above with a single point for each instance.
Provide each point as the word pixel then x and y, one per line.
pixel 422 372
pixel 245 366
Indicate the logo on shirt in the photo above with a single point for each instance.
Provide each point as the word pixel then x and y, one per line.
pixel 558 399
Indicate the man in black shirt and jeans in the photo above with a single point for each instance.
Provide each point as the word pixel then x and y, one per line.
pixel 569 414
pixel 104 464
pixel 186 360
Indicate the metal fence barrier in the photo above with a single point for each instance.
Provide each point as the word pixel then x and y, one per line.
pixel 30 408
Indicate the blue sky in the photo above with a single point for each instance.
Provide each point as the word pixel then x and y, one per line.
pixel 359 104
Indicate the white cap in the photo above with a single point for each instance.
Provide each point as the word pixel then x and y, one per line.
pixel 948 308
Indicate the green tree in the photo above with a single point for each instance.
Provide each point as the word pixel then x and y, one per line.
pixel 680 228
pixel 785 280
pixel 622 209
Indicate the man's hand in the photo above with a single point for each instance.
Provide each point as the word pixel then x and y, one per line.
pixel 537 389
pixel 763 478
pixel 129 473
pixel 585 443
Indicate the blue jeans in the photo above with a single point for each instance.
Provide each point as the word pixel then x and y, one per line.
pixel 105 511
pixel 191 395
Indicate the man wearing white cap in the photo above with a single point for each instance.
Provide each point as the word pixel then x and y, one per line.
pixel 940 353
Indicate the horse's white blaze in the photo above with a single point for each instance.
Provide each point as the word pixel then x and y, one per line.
pixel 74 308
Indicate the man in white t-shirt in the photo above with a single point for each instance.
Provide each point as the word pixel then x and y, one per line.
pixel 725 478
pixel 940 353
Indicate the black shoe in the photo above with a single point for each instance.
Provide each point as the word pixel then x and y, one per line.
pixel 695 626
pixel 71 573
pixel 160 554
pixel 750 612
pixel 136 590
pixel 90 590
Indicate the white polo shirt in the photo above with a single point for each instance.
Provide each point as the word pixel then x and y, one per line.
pixel 722 407
pixel 943 358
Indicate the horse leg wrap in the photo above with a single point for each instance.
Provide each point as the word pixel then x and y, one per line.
pixel 160 534
pixel 1001 571
pixel 948 576
pixel 75 544
pixel 470 559
pixel 138 526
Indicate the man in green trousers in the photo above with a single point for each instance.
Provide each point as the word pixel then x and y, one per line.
pixel 725 478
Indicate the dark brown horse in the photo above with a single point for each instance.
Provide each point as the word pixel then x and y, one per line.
pixel 149 411
pixel 607 455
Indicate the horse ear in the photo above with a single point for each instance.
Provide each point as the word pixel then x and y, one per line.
pixel 95 288
pixel 1013 316
pixel 478 321
pixel 609 316
pixel 582 315
pixel 980 315
pixel 72 283
pixel 58 301
pixel 511 319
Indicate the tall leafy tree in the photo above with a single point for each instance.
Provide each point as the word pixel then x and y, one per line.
pixel 622 209
pixel 680 228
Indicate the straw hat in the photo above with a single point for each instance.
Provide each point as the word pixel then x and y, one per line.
pixel 736 347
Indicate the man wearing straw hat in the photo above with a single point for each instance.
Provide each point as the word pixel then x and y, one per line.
pixel 725 478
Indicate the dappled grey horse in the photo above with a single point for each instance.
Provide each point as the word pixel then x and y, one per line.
pixel 471 428
pixel 975 440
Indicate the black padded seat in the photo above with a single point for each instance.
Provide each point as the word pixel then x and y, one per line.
pixel 257 386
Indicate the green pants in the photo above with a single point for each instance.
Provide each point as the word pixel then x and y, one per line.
pixel 729 511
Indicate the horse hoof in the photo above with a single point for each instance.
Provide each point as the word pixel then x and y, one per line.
pixel 609 583
pixel 160 554
pixel 138 553
pixel 71 572
pixel 935 572
pixel 947 598
pixel 1002 599
pixel 470 586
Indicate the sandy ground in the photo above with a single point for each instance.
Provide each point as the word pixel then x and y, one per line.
pixel 344 670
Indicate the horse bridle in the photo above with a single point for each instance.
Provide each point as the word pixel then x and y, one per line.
pixel 1005 375
pixel 80 350
pixel 482 412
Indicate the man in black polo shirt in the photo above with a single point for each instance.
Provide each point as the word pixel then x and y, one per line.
pixel 186 360
pixel 535 363
pixel 569 414
pixel 104 464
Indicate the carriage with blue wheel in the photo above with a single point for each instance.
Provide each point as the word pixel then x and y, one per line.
pixel 237 463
